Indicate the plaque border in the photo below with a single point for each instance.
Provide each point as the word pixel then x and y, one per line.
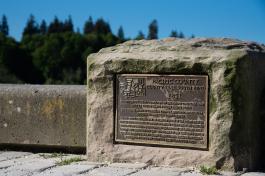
pixel 158 144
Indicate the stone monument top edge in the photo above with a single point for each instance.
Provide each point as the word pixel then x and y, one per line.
pixel 175 48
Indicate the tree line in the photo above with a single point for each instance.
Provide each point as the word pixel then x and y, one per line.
pixel 55 53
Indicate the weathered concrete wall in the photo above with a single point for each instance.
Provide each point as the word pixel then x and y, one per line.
pixel 44 115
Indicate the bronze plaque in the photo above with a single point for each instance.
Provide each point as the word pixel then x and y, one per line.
pixel 168 110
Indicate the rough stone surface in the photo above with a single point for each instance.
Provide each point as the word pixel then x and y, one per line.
pixel 254 174
pixel 110 171
pixel 12 155
pixel 157 171
pixel 129 165
pixel 236 101
pixel 76 168
pixel 28 168
pixel 25 165
pixel 46 115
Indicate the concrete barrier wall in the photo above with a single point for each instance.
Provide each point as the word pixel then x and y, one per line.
pixel 43 115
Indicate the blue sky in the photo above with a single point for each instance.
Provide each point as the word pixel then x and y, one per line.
pixel 242 19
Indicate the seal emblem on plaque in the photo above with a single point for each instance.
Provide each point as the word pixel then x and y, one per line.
pixel 132 87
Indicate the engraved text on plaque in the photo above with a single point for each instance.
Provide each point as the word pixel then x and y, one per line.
pixel 169 110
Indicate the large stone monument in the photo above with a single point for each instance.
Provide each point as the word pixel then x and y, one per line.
pixel 178 102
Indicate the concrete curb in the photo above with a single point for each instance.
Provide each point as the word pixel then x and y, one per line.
pixel 43 115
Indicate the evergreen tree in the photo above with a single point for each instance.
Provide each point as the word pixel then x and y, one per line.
pixel 16 65
pixel 60 57
pixel 102 27
pixel 181 35
pixel 4 26
pixel 31 27
pixel 43 27
pixel 140 36
pixel 89 26
pixel 56 26
pixel 192 36
pixel 68 25
pixel 120 33
pixel 174 33
pixel 153 30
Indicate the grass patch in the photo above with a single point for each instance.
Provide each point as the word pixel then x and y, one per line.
pixel 208 170
pixel 69 161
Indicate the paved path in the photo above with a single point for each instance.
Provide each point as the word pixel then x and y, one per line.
pixel 52 164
